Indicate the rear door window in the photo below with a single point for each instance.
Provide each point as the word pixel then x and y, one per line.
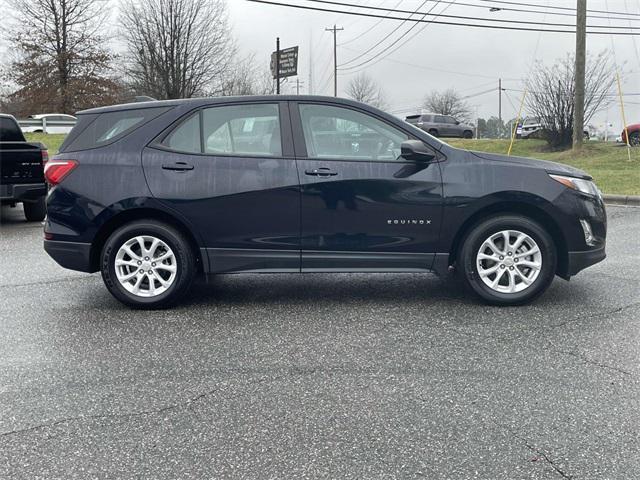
pixel 186 137
pixel 242 130
pixel 229 130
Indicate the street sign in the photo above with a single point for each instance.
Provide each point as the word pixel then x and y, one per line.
pixel 288 62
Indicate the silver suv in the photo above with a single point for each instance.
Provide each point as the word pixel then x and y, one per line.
pixel 441 125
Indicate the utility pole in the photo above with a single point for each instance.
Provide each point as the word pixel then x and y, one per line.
pixel 500 100
pixel 298 85
pixel 335 30
pixel 581 49
pixel 310 62
pixel 278 65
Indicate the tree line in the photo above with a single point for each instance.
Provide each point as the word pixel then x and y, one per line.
pixel 549 99
pixel 62 60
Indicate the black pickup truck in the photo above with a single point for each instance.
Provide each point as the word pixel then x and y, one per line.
pixel 22 170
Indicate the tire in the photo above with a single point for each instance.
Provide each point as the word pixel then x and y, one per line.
pixel 518 284
pixel 634 139
pixel 467 134
pixel 162 283
pixel 433 132
pixel 35 211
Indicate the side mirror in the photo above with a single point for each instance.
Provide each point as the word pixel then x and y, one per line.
pixel 457 122
pixel 416 150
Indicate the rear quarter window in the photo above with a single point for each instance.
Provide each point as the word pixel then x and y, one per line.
pixel 97 130
pixel 10 130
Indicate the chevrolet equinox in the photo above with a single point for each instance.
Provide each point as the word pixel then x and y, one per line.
pixel 153 194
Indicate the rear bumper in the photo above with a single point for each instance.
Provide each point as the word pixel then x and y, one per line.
pixel 71 255
pixel 28 192
pixel 578 261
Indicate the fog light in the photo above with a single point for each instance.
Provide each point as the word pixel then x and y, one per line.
pixel 588 233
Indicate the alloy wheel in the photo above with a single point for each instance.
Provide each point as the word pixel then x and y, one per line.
pixel 145 266
pixel 509 261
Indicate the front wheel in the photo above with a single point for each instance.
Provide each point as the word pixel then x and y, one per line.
pixel 508 260
pixel 148 264
pixel 634 139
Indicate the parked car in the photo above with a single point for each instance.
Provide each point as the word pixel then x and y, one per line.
pixel 55 123
pixel 532 128
pixel 441 125
pixel 22 170
pixel 634 135
pixel 529 128
pixel 152 194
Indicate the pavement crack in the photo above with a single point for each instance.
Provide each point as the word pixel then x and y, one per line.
pixel 155 411
pixel 586 359
pixel 538 451
pixel 546 458
pixel 595 315
pixel 48 282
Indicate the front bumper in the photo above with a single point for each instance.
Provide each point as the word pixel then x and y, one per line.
pixel 28 192
pixel 578 261
pixel 71 255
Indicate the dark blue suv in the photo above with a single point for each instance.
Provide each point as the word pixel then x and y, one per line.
pixel 153 194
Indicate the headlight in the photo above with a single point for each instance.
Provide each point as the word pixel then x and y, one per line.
pixel 579 184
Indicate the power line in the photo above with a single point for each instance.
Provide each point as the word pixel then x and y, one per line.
pixel 372 27
pixel 524 10
pixel 555 7
pixel 386 49
pixel 462 17
pixel 383 39
pixel 423 67
pixel 459 24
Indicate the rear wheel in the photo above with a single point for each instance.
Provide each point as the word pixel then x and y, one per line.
pixel 148 264
pixel 433 132
pixel 508 260
pixel 35 211
pixel 634 139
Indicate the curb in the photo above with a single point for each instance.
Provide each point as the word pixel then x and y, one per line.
pixel 631 200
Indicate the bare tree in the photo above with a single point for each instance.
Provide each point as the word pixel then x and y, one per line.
pixel 551 95
pixel 60 61
pixel 363 88
pixel 448 102
pixel 176 48
pixel 246 78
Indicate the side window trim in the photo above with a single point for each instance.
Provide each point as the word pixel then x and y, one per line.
pixel 300 141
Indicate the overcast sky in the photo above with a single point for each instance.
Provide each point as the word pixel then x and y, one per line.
pixel 436 56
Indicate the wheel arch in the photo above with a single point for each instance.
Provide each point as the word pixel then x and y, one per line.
pixel 521 208
pixel 131 215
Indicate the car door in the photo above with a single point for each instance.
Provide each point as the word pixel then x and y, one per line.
pixel 455 128
pixel 364 208
pixel 230 171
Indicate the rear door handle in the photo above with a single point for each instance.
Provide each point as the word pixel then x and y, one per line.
pixel 321 172
pixel 178 166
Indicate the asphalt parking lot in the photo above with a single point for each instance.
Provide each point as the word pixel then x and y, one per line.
pixel 319 376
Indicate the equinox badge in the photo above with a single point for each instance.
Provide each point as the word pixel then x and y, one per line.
pixel 409 222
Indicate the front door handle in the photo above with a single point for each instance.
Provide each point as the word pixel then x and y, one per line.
pixel 321 172
pixel 178 166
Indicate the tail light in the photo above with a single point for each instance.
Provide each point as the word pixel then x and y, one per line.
pixel 45 157
pixel 56 170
